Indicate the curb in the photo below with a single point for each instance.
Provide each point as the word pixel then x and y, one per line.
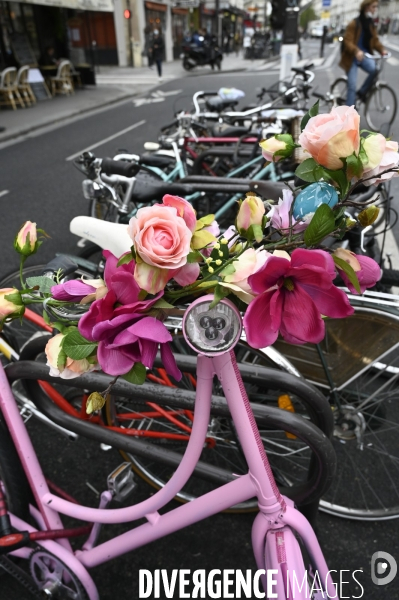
pixel 6 137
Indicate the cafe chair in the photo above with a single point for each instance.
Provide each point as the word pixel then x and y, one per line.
pixel 9 93
pixel 62 83
pixel 24 86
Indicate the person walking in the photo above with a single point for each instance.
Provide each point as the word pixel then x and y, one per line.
pixel 360 38
pixel 157 51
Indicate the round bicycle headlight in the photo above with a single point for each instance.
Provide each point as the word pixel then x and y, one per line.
pixel 212 331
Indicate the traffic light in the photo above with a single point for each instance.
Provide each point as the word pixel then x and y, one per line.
pixel 127 13
pixel 277 16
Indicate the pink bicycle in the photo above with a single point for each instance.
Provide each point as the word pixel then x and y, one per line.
pixel 60 572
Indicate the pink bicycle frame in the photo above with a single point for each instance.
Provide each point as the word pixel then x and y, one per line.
pixel 274 544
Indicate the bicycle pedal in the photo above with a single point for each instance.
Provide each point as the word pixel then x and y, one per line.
pixel 121 482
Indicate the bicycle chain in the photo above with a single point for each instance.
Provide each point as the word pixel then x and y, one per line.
pixel 12 569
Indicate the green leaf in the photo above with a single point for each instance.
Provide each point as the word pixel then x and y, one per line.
pixel 43 283
pixel 339 178
pixel 218 295
pixel 257 232
pixel 59 326
pixel 312 112
pixel 125 259
pixel 368 215
pixel 46 318
pixel 339 212
pixel 354 166
pixel 137 374
pixel 76 346
pixel 229 270
pixel 309 171
pixel 61 360
pixel 348 270
pixel 161 303
pixel 204 222
pixel 194 257
pixel 322 223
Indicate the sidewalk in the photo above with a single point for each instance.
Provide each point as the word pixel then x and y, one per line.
pixel 114 84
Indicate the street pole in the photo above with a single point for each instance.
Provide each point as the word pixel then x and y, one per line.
pixel 289 48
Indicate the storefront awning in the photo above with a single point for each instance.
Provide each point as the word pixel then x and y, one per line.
pixel 98 5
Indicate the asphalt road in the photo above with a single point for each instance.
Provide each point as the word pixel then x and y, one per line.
pixel 44 187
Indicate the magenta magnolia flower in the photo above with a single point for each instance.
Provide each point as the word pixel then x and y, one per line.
pixel 119 323
pixel 291 297
pixel 279 215
pixel 369 274
pixel 72 291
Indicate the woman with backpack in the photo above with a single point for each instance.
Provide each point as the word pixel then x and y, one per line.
pixel 360 38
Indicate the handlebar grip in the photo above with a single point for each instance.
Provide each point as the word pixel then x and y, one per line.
pixel 119 167
pixel 61 262
pixel 318 95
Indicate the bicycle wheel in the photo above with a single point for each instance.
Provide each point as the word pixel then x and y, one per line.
pixel 339 89
pixel 290 456
pixel 361 356
pixel 12 476
pixel 381 107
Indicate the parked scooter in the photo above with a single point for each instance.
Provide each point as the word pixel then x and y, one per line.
pixel 200 53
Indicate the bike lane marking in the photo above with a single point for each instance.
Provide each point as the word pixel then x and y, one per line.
pixel 4 192
pixel 108 139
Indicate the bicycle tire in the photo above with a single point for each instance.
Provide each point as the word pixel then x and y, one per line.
pixel 376 105
pixel 224 452
pixel 339 89
pixel 12 475
pixel 362 356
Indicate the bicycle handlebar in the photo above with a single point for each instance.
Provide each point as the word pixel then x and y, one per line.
pixel 119 167
pixel 378 57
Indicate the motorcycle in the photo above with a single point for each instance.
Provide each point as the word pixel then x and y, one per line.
pixel 194 56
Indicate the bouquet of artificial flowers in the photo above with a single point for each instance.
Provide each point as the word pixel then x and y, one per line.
pixel 271 262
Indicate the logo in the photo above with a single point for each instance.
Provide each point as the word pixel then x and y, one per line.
pixel 383 568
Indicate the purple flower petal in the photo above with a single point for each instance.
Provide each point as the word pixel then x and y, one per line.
pixel 318 258
pixel 73 290
pixel 269 275
pixel 260 328
pixel 169 362
pixel 113 361
pixel 331 303
pixel 368 276
pixel 301 318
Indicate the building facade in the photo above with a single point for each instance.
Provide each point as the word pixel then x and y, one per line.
pixel 100 32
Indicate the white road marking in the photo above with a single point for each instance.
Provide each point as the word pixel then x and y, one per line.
pixel 157 96
pixel 393 61
pixel 4 192
pixel 108 139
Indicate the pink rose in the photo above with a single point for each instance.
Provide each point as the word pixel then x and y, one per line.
pixel 250 213
pixel 382 154
pixel 71 368
pixel 282 143
pixel 330 137
pixel 11 304
pixel 26 241
pixel 248 263
pixel 162 242
pixel 184 209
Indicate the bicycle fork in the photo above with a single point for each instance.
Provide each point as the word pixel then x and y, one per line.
pixel 275 529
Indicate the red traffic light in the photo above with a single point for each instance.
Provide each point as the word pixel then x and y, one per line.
pixel 127 13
